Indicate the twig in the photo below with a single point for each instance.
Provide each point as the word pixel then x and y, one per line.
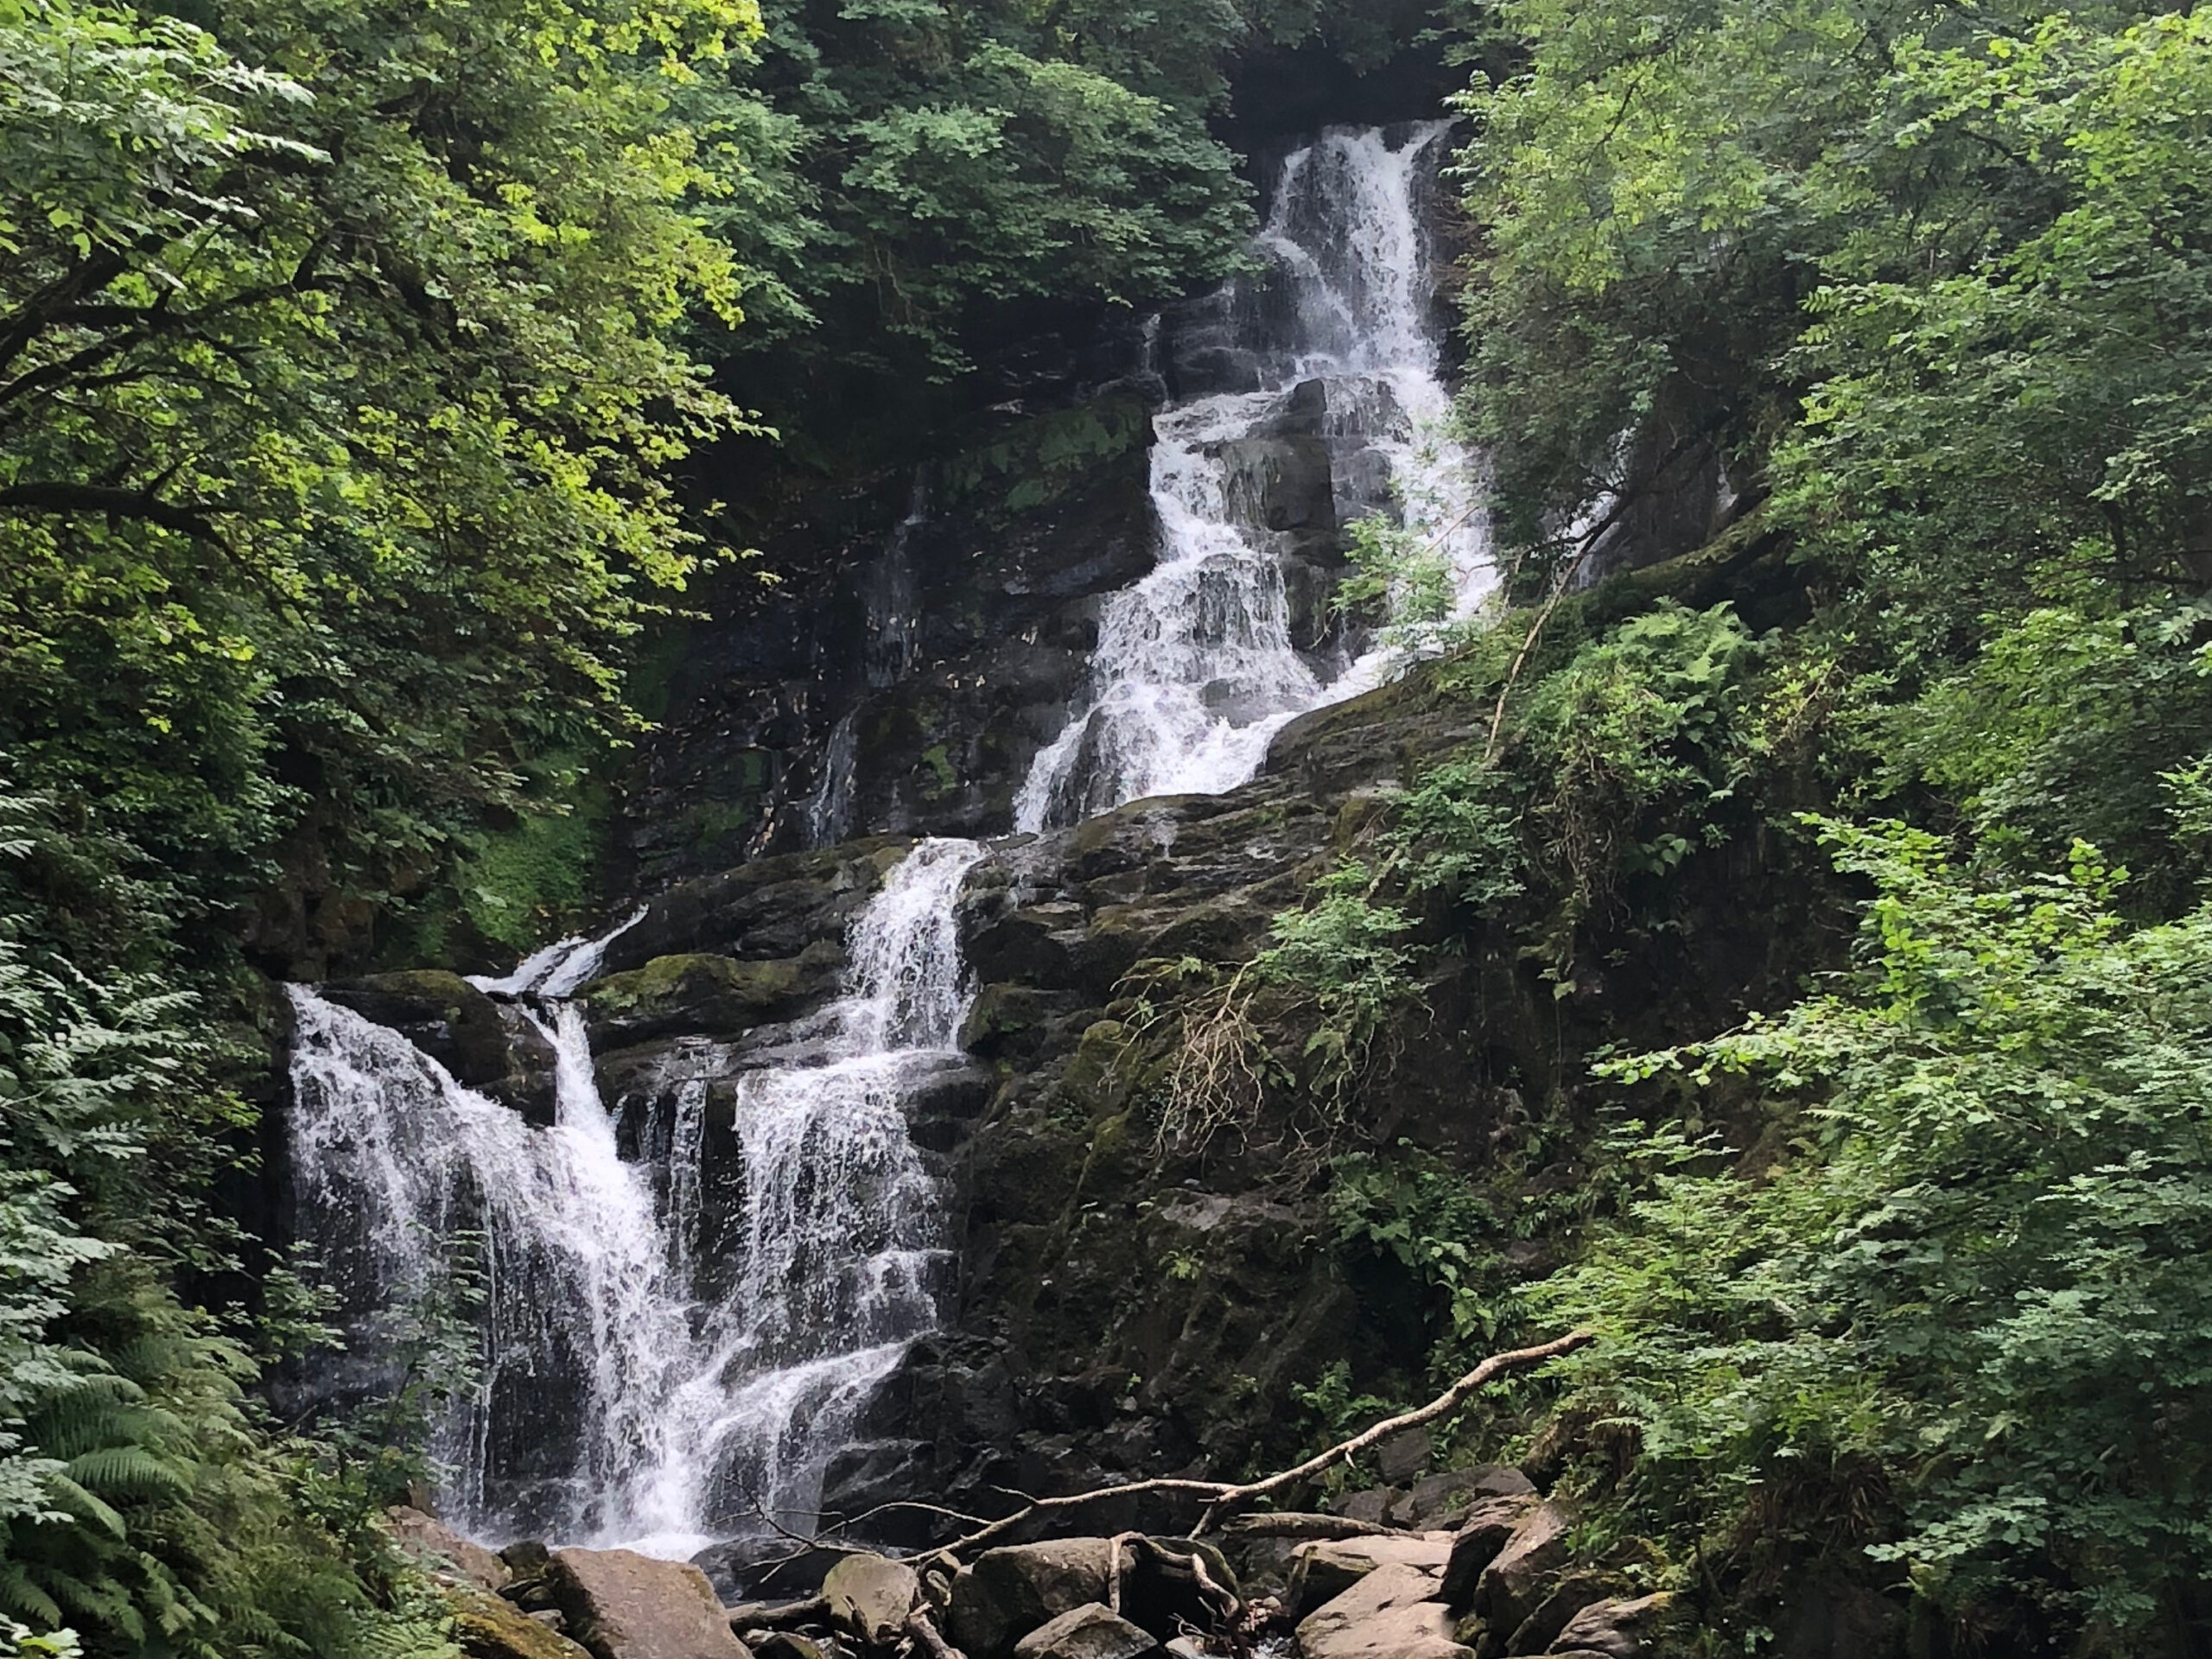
pixel 928 1638
pixel 1292 1525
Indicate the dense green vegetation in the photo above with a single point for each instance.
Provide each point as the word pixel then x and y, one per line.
pixel 351 362
pixel 1897 1280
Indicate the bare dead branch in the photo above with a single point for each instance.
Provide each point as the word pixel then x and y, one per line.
pixel 1223 1498
pixel 777 1616
pixel 1292 1525
pixel 928 1638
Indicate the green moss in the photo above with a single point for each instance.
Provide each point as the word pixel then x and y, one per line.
pixel 669 982
pixel 942 781
pixel 520 885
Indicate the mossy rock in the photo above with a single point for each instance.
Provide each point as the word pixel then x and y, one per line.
pixel 486 1627
pixel 708 995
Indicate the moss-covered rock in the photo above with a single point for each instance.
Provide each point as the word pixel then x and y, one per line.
pixel 486 1627
pixel 699 992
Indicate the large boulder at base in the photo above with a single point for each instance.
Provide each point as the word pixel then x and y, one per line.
pixel 1486 1530
pixel 1616 1628
pixel 1324 1569
pixel 486 1626
pixel 871 1596
pixel 1512 1587
pixel 1387 1615
pixel 1091 1631
pixel 624 1606
pixel 444 1551
pixel 1006 1593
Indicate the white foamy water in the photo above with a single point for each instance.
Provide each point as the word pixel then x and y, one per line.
pixel 648 1415
pixel 1196 669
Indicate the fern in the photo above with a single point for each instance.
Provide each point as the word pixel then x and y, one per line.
pixel 127 1472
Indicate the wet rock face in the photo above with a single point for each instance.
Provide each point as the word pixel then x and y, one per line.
pixel 906 688
pixel 487 1045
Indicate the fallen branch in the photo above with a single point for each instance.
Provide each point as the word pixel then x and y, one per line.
pixel 764 1616
pixel 1443 1406
pixel 1222 1499
pixel 928 1638
pixel 1290 1523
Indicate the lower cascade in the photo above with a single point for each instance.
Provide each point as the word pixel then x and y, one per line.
pixel 651 1411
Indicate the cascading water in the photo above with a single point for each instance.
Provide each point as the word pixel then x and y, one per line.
pixel 639 1387
pixel 1196 669
pixel 653 1416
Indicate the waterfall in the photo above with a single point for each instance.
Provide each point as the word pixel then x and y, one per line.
pixel 644 1385
pixel 619 1404
pixel 1196 670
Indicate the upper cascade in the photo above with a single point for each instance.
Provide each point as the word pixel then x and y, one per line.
pixel 1197 667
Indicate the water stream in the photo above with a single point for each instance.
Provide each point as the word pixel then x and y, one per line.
pixel 643 1389
pixel 619 1404
pixel 1196 669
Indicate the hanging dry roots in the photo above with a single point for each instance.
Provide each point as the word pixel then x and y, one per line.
pixel 1217 1082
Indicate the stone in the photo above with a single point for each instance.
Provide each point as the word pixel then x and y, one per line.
pixel 1091 1631
pixel 1568 1599
pixel 1437 1499
pixel 1402 1456
pixel 1483 1532
pixel 1387 1615
pixel 1828 1617
pixel 1324 1569
pixel 703 993
pixel 1003 1594
pixel 484 1626
pixel 623 1606
pixel 871 1596
pixel 1618 1628
pixel 787 1645
pixel 489 1046
pixel 431 1541
pixel 1516 1582
pixel 1370 1506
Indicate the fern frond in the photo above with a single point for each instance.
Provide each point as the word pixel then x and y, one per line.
pixel 120 1473
pixel 74 1501
pixel 22 1598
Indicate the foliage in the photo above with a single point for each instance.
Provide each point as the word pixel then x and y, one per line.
pixel 1974 1272
pixel 931 162
pixel 312 530
pixel 339 395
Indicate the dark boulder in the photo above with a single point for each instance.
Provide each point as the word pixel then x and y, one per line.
pixel 489 1045
pixel 1006 1593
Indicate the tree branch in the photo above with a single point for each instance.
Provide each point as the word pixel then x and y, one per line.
pixel 109 501
pixel 1222 1498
